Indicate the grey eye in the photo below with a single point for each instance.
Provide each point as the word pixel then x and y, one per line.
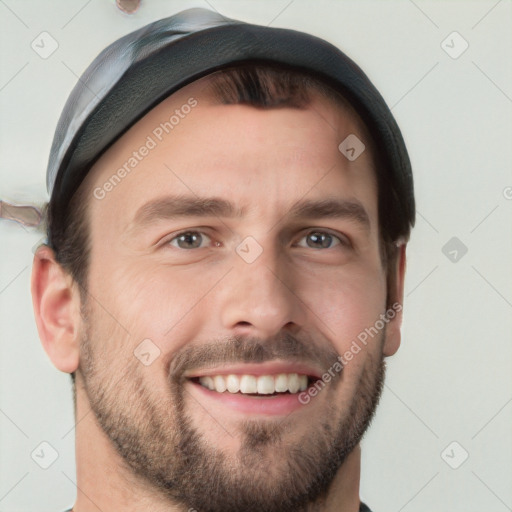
pixel 321 240
pixel 189 240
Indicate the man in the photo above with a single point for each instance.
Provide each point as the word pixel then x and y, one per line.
pixel 224 271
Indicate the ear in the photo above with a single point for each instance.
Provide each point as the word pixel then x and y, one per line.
pixel 396 279
pixel 56 304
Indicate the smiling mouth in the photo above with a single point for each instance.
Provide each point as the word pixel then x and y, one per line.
pixel 255 385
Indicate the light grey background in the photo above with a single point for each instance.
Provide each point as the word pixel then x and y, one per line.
pixel 451 379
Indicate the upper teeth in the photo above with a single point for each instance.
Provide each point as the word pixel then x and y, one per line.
pixel 263 384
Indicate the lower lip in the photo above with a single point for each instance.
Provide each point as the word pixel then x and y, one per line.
pixel 278 405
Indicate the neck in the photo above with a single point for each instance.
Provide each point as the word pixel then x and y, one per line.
pixel 343 495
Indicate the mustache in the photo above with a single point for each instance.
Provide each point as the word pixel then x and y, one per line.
pixel 243 349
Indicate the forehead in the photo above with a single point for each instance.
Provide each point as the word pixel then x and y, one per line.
pixel 190 144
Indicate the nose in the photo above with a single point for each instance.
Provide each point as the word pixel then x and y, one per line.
pixel 258 298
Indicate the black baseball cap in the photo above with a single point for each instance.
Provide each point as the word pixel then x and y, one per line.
pixel 138 71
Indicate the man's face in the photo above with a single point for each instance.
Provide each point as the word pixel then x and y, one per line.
pixel 179 302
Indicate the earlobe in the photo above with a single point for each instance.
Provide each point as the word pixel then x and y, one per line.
pixel 57 310
pixel 395 306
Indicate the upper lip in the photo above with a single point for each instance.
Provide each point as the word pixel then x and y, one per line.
pixel 257 369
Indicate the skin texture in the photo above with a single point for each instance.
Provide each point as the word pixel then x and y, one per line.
pixel 147 438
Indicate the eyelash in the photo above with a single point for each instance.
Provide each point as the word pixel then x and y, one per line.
pixel 342 242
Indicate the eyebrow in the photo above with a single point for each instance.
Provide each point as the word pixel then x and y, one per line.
pixel 175 207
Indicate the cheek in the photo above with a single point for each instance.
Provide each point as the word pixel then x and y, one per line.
pixel 347 302
pixel 155 302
